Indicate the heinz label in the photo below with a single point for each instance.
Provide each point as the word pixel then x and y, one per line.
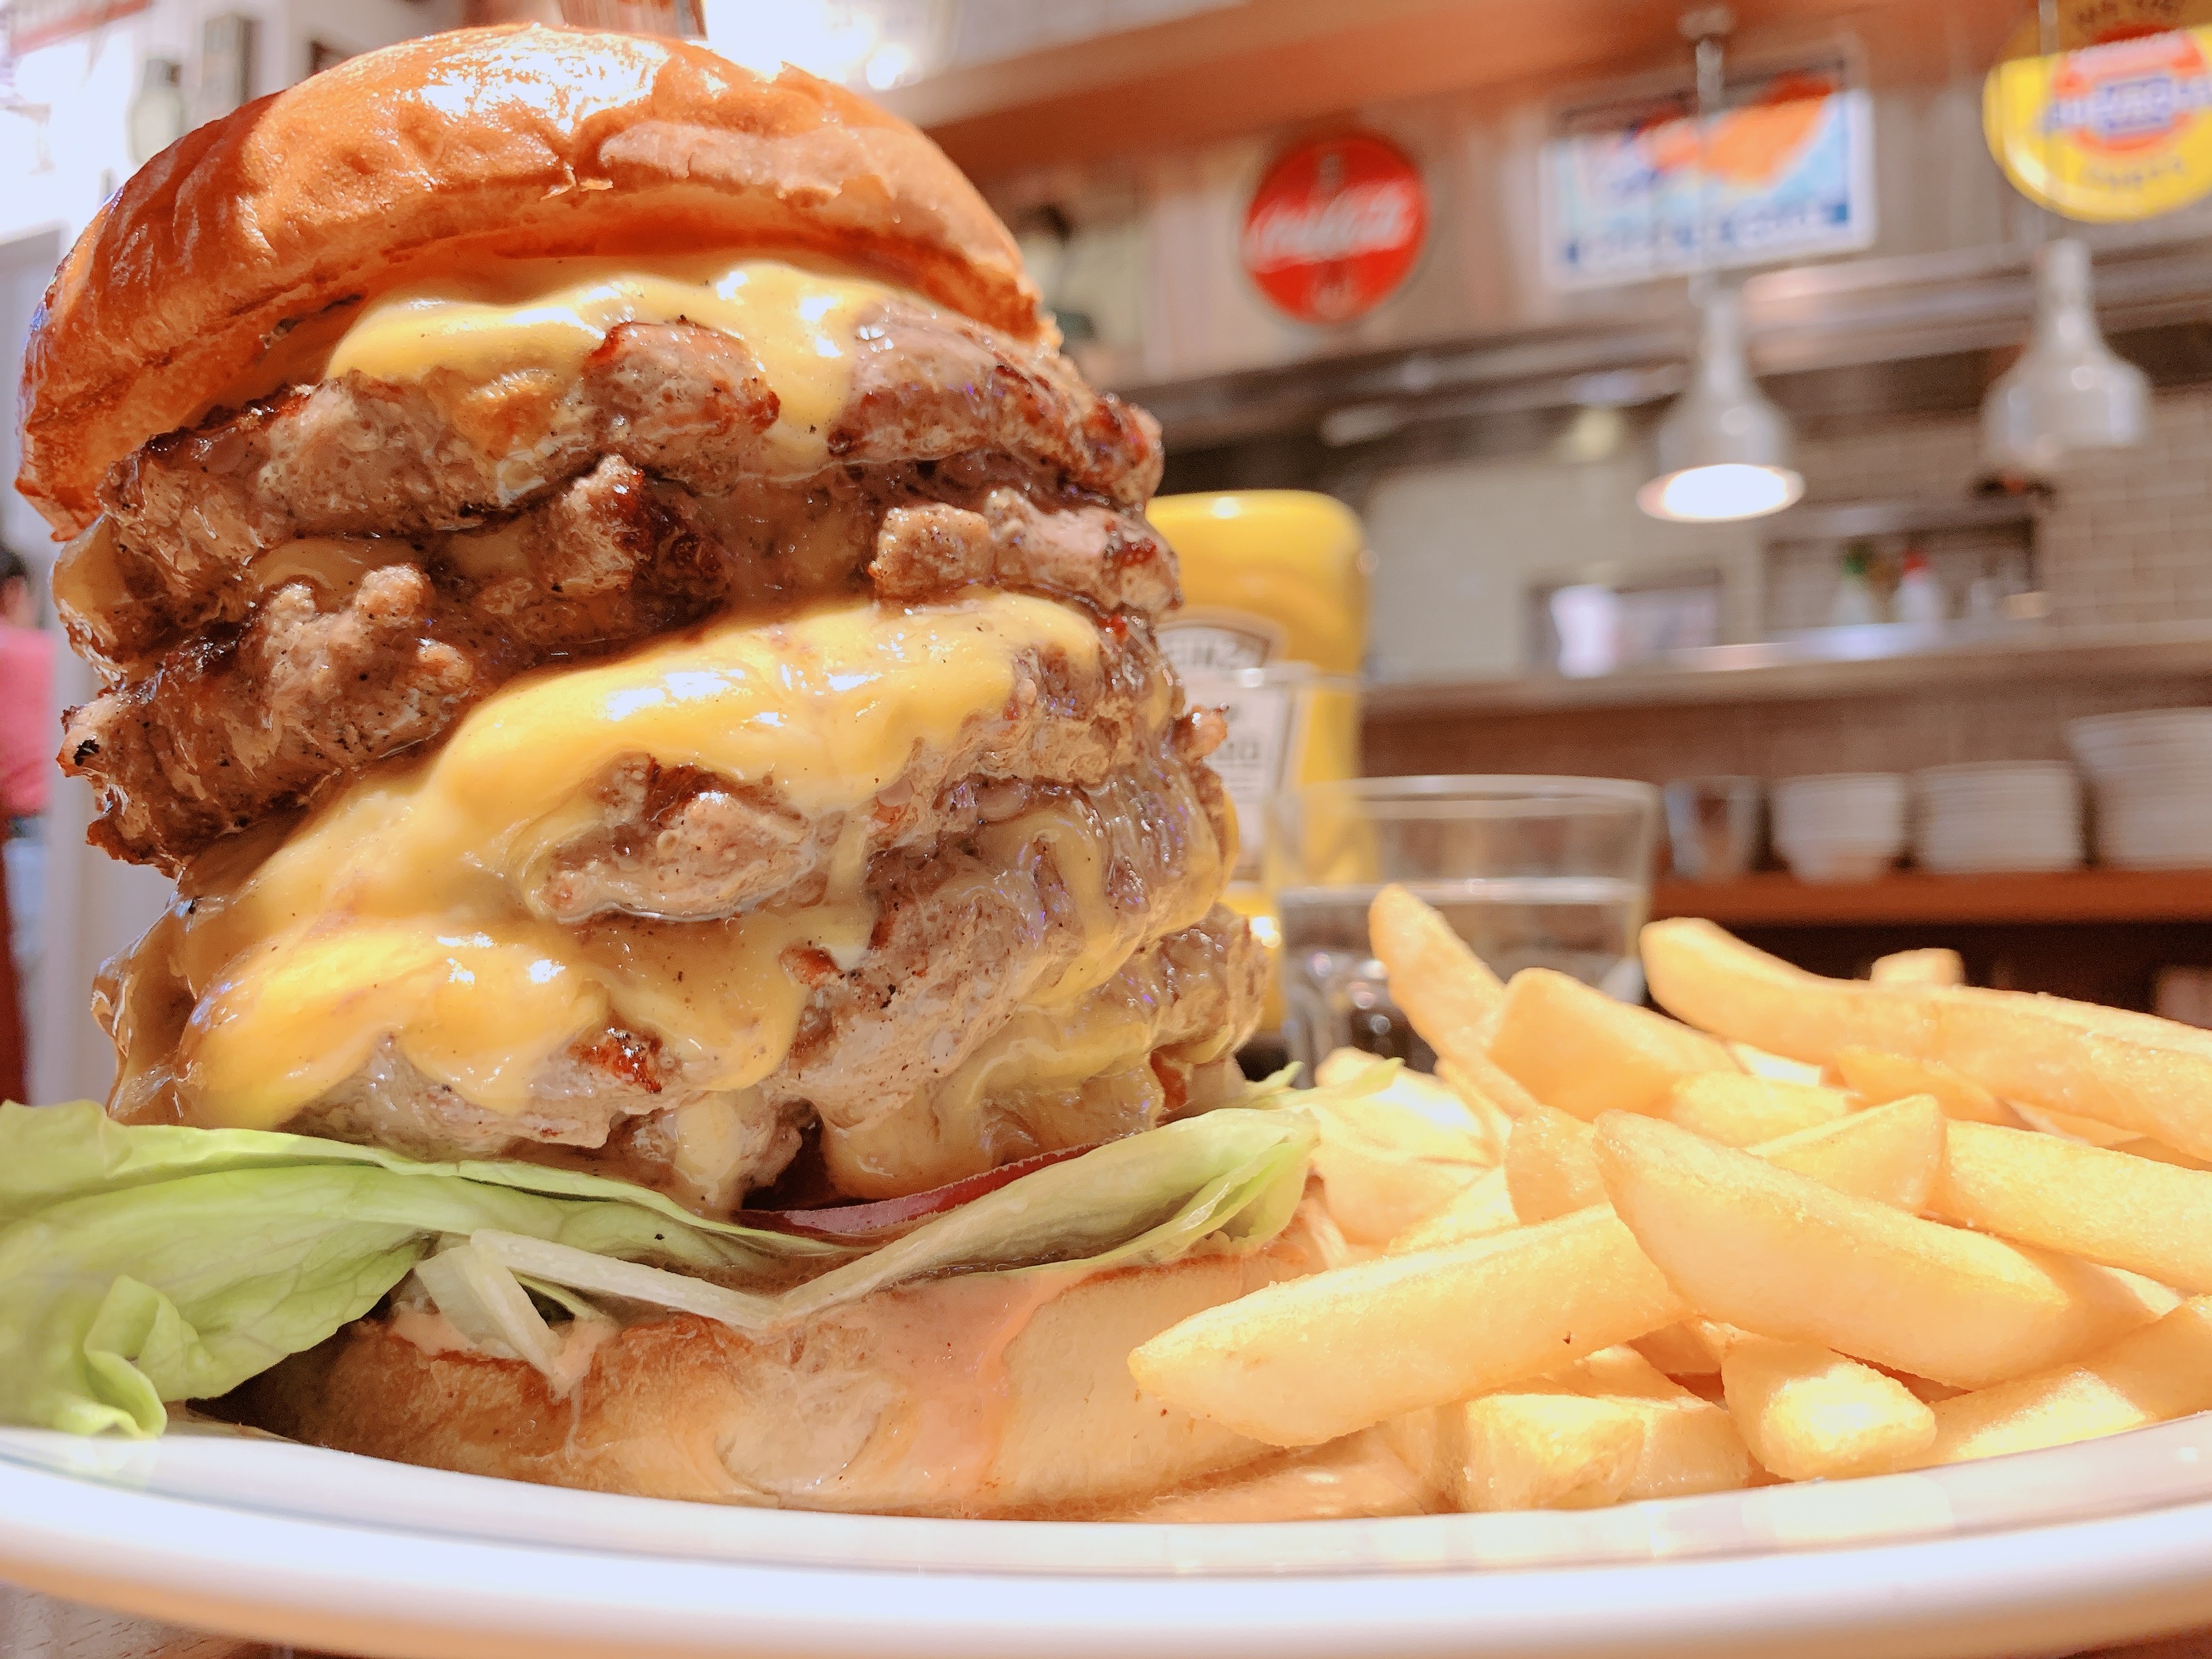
pixel 2115 132
pixel 1335 227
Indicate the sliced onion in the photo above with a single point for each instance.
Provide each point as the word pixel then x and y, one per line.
pixel 560 1295
pixel 889 1217
pixel 581 1270
pixel 487 1305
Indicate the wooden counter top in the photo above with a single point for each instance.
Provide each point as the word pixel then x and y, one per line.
pixel 1777 899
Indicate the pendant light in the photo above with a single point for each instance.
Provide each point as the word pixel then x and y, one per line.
pixel 1724 450
pixel 2070 391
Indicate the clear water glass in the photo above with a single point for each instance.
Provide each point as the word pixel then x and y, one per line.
pixel 1531 872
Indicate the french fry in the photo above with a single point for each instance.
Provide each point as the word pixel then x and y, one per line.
pixel 1414 1091
pixel 1577 1049
pixel 2133 1072
pixel 1484 1206
pixel 1690 1444
pixel 1760 1063
pixel 1929 1393
pixel 1442 987
pixel 1384 1167
pixel 2150 1218
pixel 1609 1430
pixel 1807 1413
pixel 1442 1105
pixel 1306 1360
pixel 1341 1066
pixel 1718 983
pixel 2158 1152
pixel 1877 1079
pixel 1497 1101
pixel 1774 1252
pixel 1546 1448
pixel 1742 1111
pixel 1550 1167
pixel 2152 1375
pixel 2067 1127
pixel 1476 1077
pixel 1911 1274
pixel 1686 1349
pixel 1925 967
pixel 1891 1154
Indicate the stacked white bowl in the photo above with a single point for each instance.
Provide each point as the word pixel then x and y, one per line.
pixel 1840 826
pixel 1998 815
pixel 2152 773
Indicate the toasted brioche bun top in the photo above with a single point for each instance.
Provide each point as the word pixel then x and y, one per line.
pixel 520 141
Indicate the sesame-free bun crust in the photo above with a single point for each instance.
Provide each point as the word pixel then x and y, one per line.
pixel 953 1398
pixel 519 141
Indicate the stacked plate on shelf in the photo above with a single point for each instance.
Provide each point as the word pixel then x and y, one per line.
pixel 1999 815
pixel 1840 826
pixel 2152 775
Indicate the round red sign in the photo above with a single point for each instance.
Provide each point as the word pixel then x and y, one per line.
pixel 1335 227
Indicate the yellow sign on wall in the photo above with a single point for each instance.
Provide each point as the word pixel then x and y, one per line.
pixel 2118 130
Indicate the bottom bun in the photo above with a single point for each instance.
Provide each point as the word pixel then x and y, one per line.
pixel 1006 1395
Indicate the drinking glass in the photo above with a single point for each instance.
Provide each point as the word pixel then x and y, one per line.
pixel 1531 872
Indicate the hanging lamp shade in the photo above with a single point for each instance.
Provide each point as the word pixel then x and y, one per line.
pixel 2070 391
pixel 1724 450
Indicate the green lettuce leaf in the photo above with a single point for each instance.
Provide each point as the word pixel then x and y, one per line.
pixel 140 1265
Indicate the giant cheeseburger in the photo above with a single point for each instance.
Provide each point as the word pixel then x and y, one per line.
pixel 696 966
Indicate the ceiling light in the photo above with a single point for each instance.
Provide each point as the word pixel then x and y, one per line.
pixel 890 65
pixel 1724 449
pixel 2070 391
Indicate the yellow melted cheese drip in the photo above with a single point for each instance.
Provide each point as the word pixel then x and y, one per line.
pixel 396 912
pixel 543 317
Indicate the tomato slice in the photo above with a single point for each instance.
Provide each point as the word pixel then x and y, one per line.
pixel 887 1218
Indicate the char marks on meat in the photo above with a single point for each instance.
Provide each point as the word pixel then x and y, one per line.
pixel 240 720
pixel 931 383
pixel 975 935
pixel 686 845
pixel 327 580
pixel 351 456
pixel 333 575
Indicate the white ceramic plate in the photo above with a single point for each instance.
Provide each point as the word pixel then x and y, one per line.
pixel 2042 1554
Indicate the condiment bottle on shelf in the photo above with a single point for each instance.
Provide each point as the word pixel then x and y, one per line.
pixel 1856 603
pixel 1273 630
pixel 1919 595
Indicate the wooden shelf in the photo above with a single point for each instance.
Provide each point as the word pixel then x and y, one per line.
pixel 1809 668
pixel 1775 899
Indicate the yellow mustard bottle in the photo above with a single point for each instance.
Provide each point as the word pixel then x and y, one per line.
pixel 1273 630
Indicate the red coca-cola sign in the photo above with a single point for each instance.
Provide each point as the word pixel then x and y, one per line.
pixel 1335 227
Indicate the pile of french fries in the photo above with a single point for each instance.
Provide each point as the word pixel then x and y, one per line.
pixel 1811 1228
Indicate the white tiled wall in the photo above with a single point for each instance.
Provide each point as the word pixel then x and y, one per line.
pixel 2131 539
pixel 2128 537
pixel 1458 547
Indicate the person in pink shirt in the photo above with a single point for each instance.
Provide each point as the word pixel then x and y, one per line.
pixel 27 740
pixel 27 685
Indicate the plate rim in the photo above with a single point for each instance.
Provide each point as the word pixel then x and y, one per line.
pixel 2134 1575
pixel 328 1580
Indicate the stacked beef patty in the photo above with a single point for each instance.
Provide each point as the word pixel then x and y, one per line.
pixel 296 603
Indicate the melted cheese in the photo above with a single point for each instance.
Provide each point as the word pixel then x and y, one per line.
pixel 396 912
pixel 333 564
pixel 542 318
